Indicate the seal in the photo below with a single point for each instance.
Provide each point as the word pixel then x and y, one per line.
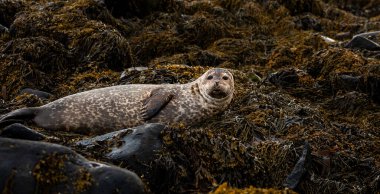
pixel 124 106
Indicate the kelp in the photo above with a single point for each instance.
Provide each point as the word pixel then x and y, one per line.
pixel 291 85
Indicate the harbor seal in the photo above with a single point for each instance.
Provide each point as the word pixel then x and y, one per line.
pixel 123 106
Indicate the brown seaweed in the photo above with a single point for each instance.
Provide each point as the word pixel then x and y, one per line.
pixel 291 85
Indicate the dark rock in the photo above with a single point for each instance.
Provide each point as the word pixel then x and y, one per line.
pixel 8 10
pixel 364 8
pixel 360 42
pixel 299 169
pixel 308 22
pixel 373 85
pixel 348 82
pixel 284 78
pixel 351 103
pixel 38 93
pixel 115 180
pixel 4 92
pixel 3 29
pixel 133 146
pixel 36 167
pixel 302 6
pixel 19 131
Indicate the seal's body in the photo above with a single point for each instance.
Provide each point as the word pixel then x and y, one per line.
pixel 123 106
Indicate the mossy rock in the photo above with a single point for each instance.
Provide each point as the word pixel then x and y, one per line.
pixel 68 23
pixel 302 6
pixel 140 8
pixel 203 29
pixel 8 11
pixel 330 62
pixel 238 51
pixel 50 55
pixel 151 45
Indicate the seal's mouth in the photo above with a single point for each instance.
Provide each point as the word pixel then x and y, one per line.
pixel 218 93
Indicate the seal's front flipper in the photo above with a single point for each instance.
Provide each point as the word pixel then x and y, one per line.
pixel 18 115
pixel 157 100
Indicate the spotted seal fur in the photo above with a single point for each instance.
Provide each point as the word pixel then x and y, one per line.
pixel 117 107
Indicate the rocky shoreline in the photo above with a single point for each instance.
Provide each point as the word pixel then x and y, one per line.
pixel 305 115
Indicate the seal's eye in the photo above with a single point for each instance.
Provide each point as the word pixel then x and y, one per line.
pixel 225 77
pixel 210 77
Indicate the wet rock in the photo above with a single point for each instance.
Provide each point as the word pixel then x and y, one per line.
pixel 115 180
pixel 36 167
pixel 284 78
pixel 373 83
pixel 299 169
pixel 292 77
pixel 38 93
pixel 348 82
pixel 133 146
pixel 360 42
pixel 19 131
pixel 3 30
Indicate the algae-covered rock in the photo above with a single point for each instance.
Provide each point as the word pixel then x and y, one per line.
pixel 8 10
pixel 135 147
pixel 138 7
pixel 295 82
pixel 33 62
pixel 202 30
pixel 35 167
pixel 91 40
pixel 19 131
pixel 301 6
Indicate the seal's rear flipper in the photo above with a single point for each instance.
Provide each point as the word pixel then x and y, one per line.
pixel 18 115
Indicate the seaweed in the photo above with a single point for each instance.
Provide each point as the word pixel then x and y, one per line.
pixel 291 85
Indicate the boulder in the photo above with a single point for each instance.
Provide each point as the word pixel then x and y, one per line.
pixel 38 167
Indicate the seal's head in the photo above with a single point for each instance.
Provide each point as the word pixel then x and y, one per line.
pixel 217 83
